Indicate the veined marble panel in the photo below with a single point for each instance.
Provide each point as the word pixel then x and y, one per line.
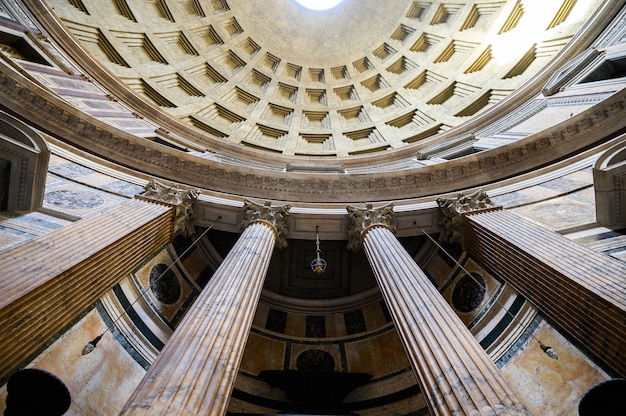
pixel 85 375
pixel 551 387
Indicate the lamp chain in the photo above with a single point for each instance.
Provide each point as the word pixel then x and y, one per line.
pixel 319 264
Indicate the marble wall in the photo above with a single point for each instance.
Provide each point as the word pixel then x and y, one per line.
pixel 358 340
pixel 551 387
pixel 73 191
pixel 361 339
pixel 99 382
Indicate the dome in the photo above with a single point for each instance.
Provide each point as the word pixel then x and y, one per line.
pixel 278 83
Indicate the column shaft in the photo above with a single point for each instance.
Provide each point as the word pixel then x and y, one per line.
pixel 195 372
pixel 582 291
pixel 453 370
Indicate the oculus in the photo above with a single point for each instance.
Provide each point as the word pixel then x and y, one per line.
pixel 318 4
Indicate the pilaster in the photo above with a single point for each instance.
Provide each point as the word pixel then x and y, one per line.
pixel 50 280
pixel 582 291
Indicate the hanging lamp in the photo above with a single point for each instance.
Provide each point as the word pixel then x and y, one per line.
pixel 319 264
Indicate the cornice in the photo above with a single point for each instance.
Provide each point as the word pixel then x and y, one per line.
pixel 47 112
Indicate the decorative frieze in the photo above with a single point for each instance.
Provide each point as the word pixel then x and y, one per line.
pixel 65 122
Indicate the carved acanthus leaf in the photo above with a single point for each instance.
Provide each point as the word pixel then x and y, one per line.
pixel 276 217
pixel 183 199
pixel 452 210
pixel 361 219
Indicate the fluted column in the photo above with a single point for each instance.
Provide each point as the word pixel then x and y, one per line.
pixel 195 372
pixel 454 372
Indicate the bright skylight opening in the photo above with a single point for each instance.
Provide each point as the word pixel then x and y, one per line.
pixel 319 4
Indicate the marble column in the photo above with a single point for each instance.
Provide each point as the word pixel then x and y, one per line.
pixel 194 374
pixel 455 374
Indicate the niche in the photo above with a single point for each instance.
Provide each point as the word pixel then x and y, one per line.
pixel 24 159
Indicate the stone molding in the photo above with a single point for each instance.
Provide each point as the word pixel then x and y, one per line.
pixel 61 120
pixel 275 217
pixel 363 219
pixel 616 29
pixel 570 71
pixel 11 10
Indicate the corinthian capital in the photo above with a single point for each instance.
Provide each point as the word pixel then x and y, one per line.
pixel 452 210
pixel 182 199
pixel 273 216
pixel 362 219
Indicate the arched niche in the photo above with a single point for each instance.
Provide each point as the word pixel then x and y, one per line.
pixel 24 157
pixel 609 180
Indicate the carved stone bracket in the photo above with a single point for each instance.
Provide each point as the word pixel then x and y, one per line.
pixel 452 210
pixel 276 217
pixel 182 199
pixel 362 219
